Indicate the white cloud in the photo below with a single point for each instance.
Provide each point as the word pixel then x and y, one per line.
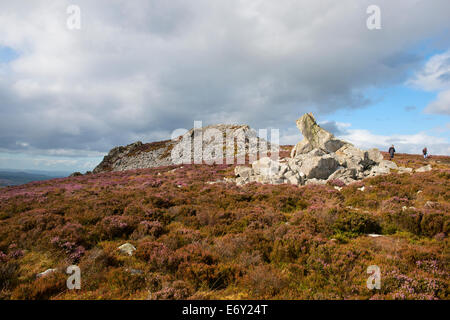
pixel 435 76
pixel 441 105
pixel 139 69
pixel 403 143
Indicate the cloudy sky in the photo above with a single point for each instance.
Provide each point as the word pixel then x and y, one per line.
pixel 137 70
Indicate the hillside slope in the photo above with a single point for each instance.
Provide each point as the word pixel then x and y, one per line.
pixel 198 237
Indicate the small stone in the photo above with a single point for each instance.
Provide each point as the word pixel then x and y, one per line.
pixel 402 170
pixel 127 248
pixel 134 271
pixel 424 168
pixel 430 204
pixel 46 273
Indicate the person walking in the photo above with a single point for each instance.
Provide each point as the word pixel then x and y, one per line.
pixel 392 151
pixel 425 153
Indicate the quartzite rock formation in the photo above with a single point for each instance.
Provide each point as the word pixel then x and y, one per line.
pixel 318 158
pixel 157 154
pixel 314 137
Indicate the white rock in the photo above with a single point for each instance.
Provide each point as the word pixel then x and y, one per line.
pixel 374 155
pixel 424 168
pixel 388 164
pixel 319 167
pixel 314 137
pixel 295 179
pixel 266 166
pixel 402 170
pixel 127 248
pixel 46 273
pixel 243 172
pixel 315 181
pixel 345 175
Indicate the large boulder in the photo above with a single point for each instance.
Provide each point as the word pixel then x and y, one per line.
pixel 266 167
pixel 318 158
pixel 374 155
pixel 319 167
pixel 388 164
pixel 315 137
pixel 346 175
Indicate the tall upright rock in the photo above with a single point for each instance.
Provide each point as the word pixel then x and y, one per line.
pixel 315 137
pixel 318 158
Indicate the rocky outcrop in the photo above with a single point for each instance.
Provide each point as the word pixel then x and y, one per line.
pixel 318 158
pixel 210 140
pixel 315 137
pixel 137 156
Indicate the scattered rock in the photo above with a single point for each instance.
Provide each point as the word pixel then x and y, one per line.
pixel 243 172
pixel 134 271
pixel 377 171
pixel 46 273
pixel 346 175
pixel 388 164
pixel 315 181
pixel 424 168
pixel 216 182
pixel 402 170
pixel 318 158
pixel 127 248
pixel 362 188
pixel 430 204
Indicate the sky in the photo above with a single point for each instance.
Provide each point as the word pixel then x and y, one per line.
pixel 138 70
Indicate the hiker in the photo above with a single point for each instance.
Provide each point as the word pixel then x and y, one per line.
pixel 425 153
pixel 392 151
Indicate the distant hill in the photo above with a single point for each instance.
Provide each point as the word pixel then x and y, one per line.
pixel 13 178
